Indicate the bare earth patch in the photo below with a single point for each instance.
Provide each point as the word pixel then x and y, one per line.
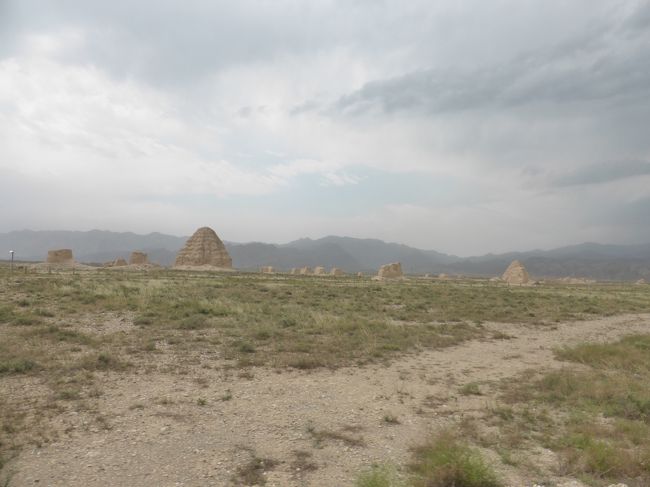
pixel 214 425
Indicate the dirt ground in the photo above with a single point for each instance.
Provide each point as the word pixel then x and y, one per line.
pixel 311 428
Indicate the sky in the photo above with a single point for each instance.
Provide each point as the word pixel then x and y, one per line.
pixel 462 126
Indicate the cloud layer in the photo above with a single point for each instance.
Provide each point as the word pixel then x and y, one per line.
pixel 465 127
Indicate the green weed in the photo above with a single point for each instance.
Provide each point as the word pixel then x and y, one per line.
pixel 447 462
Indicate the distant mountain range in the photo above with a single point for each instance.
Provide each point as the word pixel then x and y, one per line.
pixel 590 260
pixel 95 246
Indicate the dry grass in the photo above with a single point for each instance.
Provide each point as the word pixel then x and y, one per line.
pixel 347 435
pixel 596 418
pixel 63 332
pixel 446 461
pixel 379 476
pixel 253 472
pixel 303 463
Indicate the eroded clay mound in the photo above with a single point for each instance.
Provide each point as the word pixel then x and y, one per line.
pixel 390 271
pixel 138 258
pixel 576 280
pixel 60 256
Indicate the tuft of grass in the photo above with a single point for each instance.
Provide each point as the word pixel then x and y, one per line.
pixel 56 333
pixel 143 321
pixel 305 363
pixel 321 436
pixel 499 335
pixel 378 476
pixel 630 354
pixel 445 461
pixel 19 366
pixel 194 322
pixel 303 462
pixel 26 320
pixel 69 394
pixel 598 458
pixel 391 419
pixel 252 473
pixel 45 313
pixel 100 362
pixel 471 389
pixel 7 313
pixel 245 347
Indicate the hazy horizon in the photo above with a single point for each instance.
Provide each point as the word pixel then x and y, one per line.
pixel 451 253
pixel 465 127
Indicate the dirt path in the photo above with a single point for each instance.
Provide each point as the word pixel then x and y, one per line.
pixel 319 428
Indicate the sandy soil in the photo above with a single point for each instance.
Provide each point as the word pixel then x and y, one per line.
pixel 160 429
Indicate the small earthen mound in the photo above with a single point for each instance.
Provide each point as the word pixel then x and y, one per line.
pixel 204 248
pixel 337 272
pixel 576 280
pixel 138 258
pixel 319 271
pixel 390 271
pixel 60 256
pixel 640 282
pixel 294 271
pixel 359 274
pixel 305 271
pixel 120 262
pixel 516 273
pixel 267 269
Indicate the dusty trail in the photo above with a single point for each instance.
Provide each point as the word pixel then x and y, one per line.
pixel 198 429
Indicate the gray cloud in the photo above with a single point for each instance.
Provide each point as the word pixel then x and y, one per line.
pixel 166 41
pixel 178 43
pixel 170 42
pixel 636 213
pixel 604 173
pixel 505 109
pixel 639 19
pixel 604 64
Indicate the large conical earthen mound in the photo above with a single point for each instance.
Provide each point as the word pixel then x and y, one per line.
pixel 204 248
pixel 516 274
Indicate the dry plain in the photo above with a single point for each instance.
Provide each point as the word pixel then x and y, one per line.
pixel 165 378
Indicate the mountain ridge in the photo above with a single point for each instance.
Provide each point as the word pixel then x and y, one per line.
pixel 588 259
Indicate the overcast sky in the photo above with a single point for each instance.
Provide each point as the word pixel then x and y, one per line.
pixel 462 126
